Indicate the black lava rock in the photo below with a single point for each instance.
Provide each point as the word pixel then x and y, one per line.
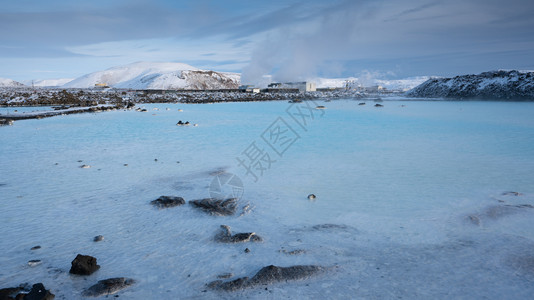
pixel 84 265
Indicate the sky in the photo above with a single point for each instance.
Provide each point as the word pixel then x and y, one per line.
pixel 290 40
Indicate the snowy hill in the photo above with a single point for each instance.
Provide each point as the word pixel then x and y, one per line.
pixel 490 85
pixel 157 75
pixel 5 82
pixel 47 82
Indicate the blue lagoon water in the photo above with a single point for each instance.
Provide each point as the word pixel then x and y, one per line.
pixel 409 200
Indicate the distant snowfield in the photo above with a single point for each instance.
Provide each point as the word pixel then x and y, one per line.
pixel 394 84
pixel 47 82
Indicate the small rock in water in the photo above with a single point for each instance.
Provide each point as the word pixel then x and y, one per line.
pixel 225 236
pixel 34 262
pixel 473 219
pixel 98 238
pixel 225 275
pixel 108 287
pixel 378 105
pixel 6 122
pixel 84 265
pixel 510 193
pixel 311 196
pixel 247 250
pixel 215 206
pixel 293 252
pixel 167 201
pixel 180 123
pixel 85 166
pixel 80 160
pixel 35 247
pixel 361 103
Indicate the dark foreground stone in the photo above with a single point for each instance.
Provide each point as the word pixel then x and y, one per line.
pixel 9 293
pixel 216 207
pixel 268 275
pixel 38 292
pixel 84 265
pixel 225 236
pixel 108 287
pixel 167 201
pixel 6 122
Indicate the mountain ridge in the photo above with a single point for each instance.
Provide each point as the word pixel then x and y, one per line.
pixel 499 85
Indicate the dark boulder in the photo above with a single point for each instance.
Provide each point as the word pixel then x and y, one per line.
pixel 225 236
pixel 84 265
pixel 38 292
pixel 108 287
pixel 216 207
pixel 167 201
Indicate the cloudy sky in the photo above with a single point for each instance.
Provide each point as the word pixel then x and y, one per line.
pixel 290 39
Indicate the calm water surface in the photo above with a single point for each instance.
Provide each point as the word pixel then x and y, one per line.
pixel 415 189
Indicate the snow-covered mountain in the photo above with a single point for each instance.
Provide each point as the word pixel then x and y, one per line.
pixel 47 82
pixel 489 85
pixel 157 75
pixel 5 82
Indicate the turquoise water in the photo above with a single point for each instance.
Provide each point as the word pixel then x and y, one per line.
pixel 399 180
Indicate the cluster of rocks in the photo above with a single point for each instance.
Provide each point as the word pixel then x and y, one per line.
pixel 82 265
pixel 267 275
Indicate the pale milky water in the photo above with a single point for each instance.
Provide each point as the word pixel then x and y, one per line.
pixel 398 181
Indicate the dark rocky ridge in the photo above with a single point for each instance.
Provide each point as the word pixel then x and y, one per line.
pixel 493 85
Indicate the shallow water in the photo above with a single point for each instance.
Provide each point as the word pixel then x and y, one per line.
pixel 399 183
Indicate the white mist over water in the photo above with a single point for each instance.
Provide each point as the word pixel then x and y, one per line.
pixel 398 183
